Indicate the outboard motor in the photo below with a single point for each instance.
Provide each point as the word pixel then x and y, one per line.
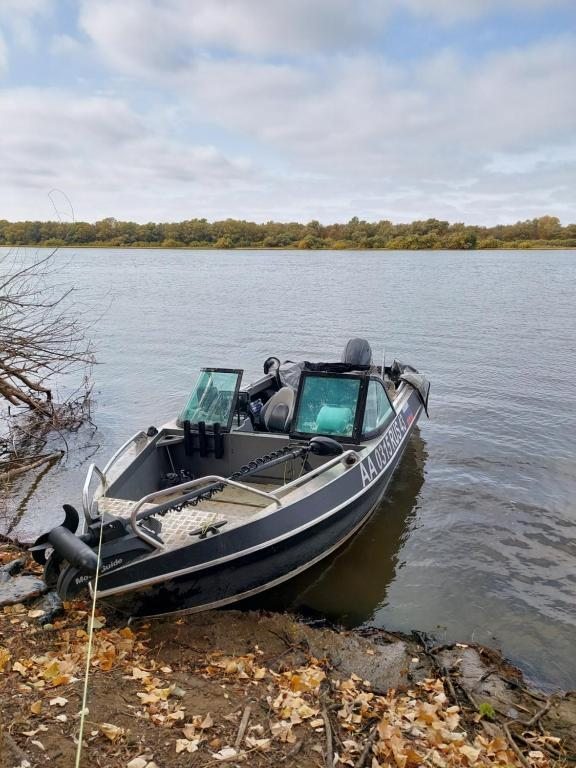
pixel 357 352
pixel 71 561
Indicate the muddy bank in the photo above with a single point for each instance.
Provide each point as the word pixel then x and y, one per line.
pixel 260 689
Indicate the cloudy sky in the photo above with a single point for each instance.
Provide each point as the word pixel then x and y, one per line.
pixel 289 109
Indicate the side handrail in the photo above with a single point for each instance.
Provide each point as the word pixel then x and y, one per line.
pixel 123 448
pixel 186 487
pixel 341 459
pixel 86 506
pixel 103 473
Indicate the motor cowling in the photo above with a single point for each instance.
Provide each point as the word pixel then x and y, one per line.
pixel 357 352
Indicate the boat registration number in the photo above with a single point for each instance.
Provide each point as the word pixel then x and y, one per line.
pixel 375 463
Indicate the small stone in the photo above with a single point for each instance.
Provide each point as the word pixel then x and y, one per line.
pixel 137 762
pixel 51 606
pixel 21 588
pixel 11 569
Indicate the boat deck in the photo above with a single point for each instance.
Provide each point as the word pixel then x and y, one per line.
pixel 233 505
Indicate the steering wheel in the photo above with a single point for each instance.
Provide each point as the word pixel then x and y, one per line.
pixel 268 363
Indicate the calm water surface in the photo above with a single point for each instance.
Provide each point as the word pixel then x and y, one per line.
pixel 477 537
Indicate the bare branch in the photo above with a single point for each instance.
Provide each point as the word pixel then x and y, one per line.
pixel 41 334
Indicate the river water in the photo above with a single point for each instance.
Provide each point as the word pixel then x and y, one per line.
pixel 476 539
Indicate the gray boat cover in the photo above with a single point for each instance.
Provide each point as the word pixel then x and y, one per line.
pixel 420 384
pixel 290 373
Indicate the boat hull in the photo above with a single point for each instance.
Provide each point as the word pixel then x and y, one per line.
pixel 232 566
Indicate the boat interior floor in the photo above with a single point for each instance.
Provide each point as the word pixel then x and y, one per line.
pixel 233 505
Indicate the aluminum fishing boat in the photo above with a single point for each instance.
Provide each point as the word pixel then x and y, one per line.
pixel 248 487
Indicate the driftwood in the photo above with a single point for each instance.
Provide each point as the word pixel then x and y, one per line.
pixel 367 747
pixel 243 726
pixel 329 756
pixel 30 463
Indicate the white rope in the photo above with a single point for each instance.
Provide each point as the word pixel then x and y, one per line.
pixel 88 654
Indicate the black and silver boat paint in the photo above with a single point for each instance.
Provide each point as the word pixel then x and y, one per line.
pixel 319 512
pixel 294 538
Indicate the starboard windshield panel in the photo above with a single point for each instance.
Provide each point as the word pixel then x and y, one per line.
pixel 327 405
pixel 378 409
pixel 213 399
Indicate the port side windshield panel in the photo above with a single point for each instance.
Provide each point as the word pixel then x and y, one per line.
pixel 213 399
pixel 328 404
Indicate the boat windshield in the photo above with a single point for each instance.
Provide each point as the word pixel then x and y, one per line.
pixel 327 405
pixel 213 398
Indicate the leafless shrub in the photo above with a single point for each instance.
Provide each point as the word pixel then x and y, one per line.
pixel 40 338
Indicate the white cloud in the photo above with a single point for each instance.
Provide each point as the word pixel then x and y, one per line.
pixel 563 155
pixel 442 116
pixel 19 18
pixel 155 36
pixel 103 156
pixel 334 127
pixel 3 55
pixel 457 10
pixel 65 45
pixel 138 36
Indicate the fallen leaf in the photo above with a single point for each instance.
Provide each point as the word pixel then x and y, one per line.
pixel 208 722
pixel 38 744
pixel 59 701
pixel 4 657
pixel 259 673
pixel 36 707
pixel 469 752
pixel 283 731
pixel 186 745
pixel 111 731
pixel 226 753
pixel 253 743
pixel 189 731
pixel 139 674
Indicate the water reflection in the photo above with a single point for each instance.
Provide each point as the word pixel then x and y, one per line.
pixel 349 587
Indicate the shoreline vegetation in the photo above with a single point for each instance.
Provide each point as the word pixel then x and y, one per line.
pixel 545 232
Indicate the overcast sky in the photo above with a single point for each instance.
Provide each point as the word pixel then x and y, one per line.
pixel 288 109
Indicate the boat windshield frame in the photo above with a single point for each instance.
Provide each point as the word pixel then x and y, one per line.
pixel 224 426
pixel 362 377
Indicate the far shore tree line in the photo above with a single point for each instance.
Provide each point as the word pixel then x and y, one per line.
pixel 542 232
